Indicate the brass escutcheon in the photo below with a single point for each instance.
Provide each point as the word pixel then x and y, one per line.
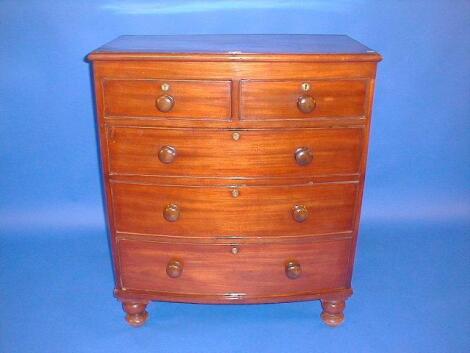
pixel 235 193
pixel 165 87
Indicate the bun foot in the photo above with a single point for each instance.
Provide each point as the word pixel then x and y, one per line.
pixel 332 314
pixel 136 313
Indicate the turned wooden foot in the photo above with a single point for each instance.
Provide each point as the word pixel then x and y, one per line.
pixel 332 314
pixel 136 313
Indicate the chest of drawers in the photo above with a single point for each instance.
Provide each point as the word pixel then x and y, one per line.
pixel 233 166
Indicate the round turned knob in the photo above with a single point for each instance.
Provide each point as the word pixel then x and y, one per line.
pixel 303 156
pixel 171 212
pixel 300 213
pixel 306 104
pixel 174 268
pixel 167 154
pixel 165 103
pixel 293 270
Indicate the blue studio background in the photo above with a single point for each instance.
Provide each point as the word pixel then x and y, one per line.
pixel 412 280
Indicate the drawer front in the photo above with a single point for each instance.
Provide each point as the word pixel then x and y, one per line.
pixel 224 153
pixel 188 99
pixel 279 100
pixel 250 271
pixel 196 211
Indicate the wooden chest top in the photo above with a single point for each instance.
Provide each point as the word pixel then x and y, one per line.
pixel 236 47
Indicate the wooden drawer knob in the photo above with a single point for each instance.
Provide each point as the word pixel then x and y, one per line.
pixel 165 103
pixel 300 213
pixel 306 104
pixel 303 156
pixel 174 269
pixel 171 212
pixel 167 154
pixel 293 270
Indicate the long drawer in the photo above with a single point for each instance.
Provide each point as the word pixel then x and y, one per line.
pixel 234 272
pixel 197 211
pixel 228 153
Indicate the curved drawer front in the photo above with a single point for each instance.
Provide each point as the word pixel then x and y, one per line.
pixel 242 211
pixel 188 99
pixel 281 100
pixel 218 270
pixel 241 153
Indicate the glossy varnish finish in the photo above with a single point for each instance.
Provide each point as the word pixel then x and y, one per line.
pixel 323 48
pixel 250 272
pixel 234 166
pixel 272 100
pixel 211 152
pixel 192 98
pixel 252 211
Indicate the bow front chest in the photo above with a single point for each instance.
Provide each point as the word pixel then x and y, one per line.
pixel 233 166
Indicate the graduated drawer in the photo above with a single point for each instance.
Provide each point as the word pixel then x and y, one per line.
pixel 188 99
pixel 201 211
pixel 225 153
pixel 234 272
pixel 280 100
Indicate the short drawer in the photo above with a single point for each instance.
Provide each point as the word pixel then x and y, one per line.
pixel 279 100
pixel 234 272
pixel 225 153
pixel 188 99
pixel 210 211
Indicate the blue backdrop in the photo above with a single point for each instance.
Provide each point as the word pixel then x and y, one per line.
pixel 55 271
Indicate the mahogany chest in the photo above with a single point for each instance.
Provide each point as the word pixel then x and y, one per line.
pixel 233 166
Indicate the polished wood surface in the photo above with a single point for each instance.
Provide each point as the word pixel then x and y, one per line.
pixel 253 153
pixel 234 166
pixel 280 99
pixel 256 270
pixel 191 99
pixel 303 156
pixel 306 104
pixel 197 211
pixel 136 315
pixel 235 47
pixel 332 313
pixel 174 269
pixel 243 70
pixel 293 269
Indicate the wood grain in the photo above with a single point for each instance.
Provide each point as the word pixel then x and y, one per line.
pixel 238 209
pixel 133 295
pixel 213 211
pixel 256 270
pixel 193 98
pixel 257 153
pixel 208 70
pixel 276 100
pixel 235 47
